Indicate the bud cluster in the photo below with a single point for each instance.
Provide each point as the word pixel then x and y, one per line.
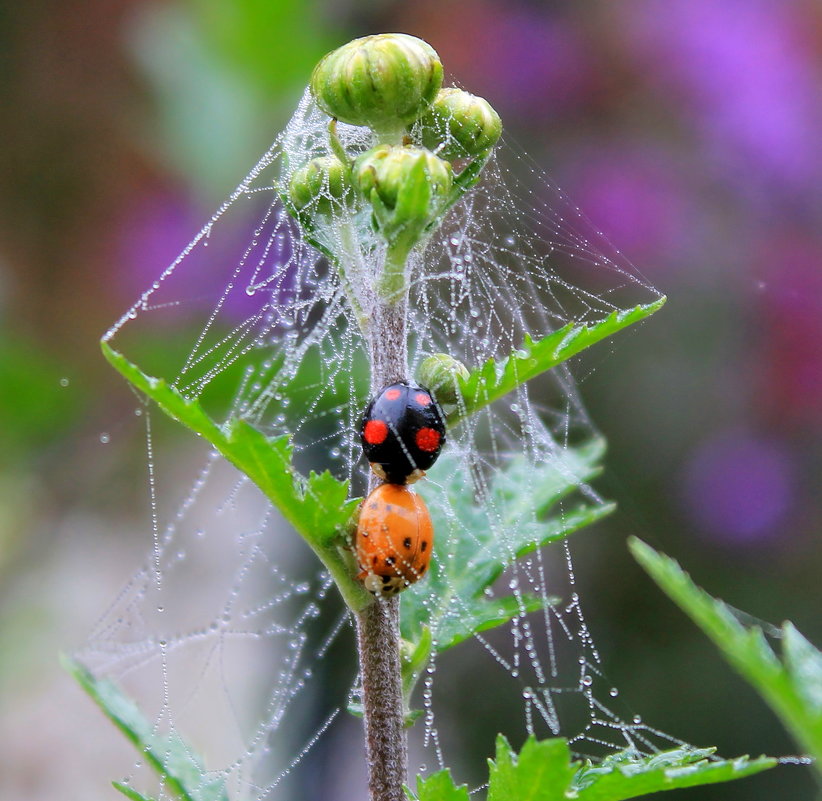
pixel 392 83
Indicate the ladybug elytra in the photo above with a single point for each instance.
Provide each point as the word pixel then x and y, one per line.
pixel 402 432
pixel 394 539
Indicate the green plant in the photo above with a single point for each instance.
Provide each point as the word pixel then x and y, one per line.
pixel 426 153
pixel 790 685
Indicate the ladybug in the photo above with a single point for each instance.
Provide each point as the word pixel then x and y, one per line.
pixel 394 539
pixel 402 432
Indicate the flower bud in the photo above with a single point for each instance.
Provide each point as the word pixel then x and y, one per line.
pixel 460 125
pixel 384 81
pixel 405 186
pixel 322 186
pixel 441 374
pixel 390 169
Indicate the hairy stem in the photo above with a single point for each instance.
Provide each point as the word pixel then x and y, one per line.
pixel 378 636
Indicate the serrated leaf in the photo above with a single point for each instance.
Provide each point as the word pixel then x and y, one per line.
pixel 438 786
pixel 625 775
pixel 130 792
pixel 792 688
pixel 544 771
pixel 317 507
pixel 493 379
pixel 179 766
pixel 476 540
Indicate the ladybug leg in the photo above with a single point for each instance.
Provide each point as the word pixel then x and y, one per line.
pixel 378 470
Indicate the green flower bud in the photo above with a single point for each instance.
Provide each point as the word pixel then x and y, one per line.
pixel 460 125
pixel 390 169
pixel 322 186
pixel 440 374
pixel 405 186
pixel 384 81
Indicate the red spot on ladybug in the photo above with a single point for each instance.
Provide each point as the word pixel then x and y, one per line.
pixel 375 432
pixel 422 398
pixel 427 440
pixel 392 394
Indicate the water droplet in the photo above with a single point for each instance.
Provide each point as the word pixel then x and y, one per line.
pixel 613 692
pixel 64 382
pixel 637 719
pixel 105 438
pixel 587 681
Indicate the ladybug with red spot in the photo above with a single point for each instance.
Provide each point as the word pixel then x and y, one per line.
pixel 402 432
pixel 394 540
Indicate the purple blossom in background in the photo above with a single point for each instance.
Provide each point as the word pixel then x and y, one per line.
pixel 790 308
pixel 744 73
pixel 160 224
pixel 156 227
pixel 738 487
pixel 533 63
pixel 636 199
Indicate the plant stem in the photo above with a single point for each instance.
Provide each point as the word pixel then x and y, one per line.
pixel 378 636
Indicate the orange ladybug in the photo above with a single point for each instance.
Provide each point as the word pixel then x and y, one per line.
pixel 394 539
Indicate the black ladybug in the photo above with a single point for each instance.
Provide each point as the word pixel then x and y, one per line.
pixel 402 432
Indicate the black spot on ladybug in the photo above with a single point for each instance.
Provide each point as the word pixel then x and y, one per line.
pixel 386 579
pixel 390 560
pixel 422 569
pixel 407 542
pixel 423 546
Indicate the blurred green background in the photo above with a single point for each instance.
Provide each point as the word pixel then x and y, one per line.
pixel 688 130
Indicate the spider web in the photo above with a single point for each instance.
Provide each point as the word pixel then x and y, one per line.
pixel 229 634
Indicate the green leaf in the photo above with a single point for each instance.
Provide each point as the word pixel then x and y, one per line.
pixel 493 380
pixel 177 764
pixel 438 786
pixel 791 686
pixel 130 792
pixel 317 507
pixel 543 771
pixel 413 204
pixel 804 664
pixel 625 775
pixel 475 541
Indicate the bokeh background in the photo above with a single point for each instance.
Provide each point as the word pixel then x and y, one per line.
pixel 688 130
